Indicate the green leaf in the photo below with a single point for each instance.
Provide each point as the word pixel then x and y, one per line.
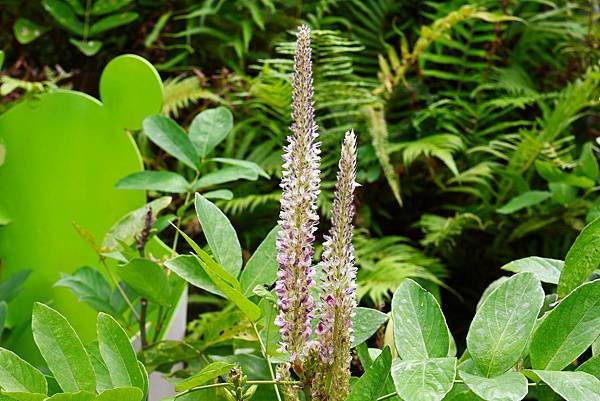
pixel 118 354
pixel 568 330
pixel 510 386
pixel 108 6
pixel 425 380
pixel 188 268
pixel 170 137
pixel 582 259
pixel 18 375
pixel 224 175
pixel 502 325
pixel 460 392
pixel 261 269
pixel 10 288
pixel 125 230
pixel 527 199
pixel 88 47
pixel 164 181
pixel 144 378
pixel 72 396
pixel 90 286
pixel 546 270
pixel 103 381
pixel 220 235
pixel 224 281
pixel 209 128
pixel 366 322
pixel 591 366
pixel 147 279
pixel 244 164
pixel 371 384
pixel 219 194
pixel 209 372
pixel 111 22
pixel 22 396
pixel 420 330
pixel 589 163
pixel 572 386
pixel 62 350
pixel 64 15
pixel 121 394
pixel 26 31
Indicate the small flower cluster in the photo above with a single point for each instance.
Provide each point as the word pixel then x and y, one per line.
pixel 330 353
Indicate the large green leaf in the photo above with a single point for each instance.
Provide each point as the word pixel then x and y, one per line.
pixel 502 325
pixel 523 201
pixel 18 375
pixel 169 136
pixel 103 380
pixel 118 354
pixel 509 386
pixel 73 396
pixel 545 269
pixel 121 394
pixel 90 286
pixel 21 396
pixel 425 380
pixel 372 383
pixel 163 181
pixel 243 163
pixel 220 235
pixel 209 128
pixel 366 322
pixel 568 330
pixel 62 350
pixel 261 269
pixel 148 279
pixel 420 330
pixel 582 259
pixel 209 372
pixel 572 386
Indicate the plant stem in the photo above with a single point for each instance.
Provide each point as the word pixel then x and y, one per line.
pixel 263 349
pixel 387 396
pixel 249 382
pixel 144 310
pixel 121 291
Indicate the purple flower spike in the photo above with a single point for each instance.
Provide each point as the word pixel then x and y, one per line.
pixel 339 275
pixel 298 217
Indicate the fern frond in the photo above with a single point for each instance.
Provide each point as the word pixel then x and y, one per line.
pixel 181 91
pixel 440 146
pixel 249 203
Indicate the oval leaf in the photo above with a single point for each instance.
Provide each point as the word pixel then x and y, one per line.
pixel 572 386
pixel 170 137
pixel 209 128
pixel 121 394
pixel 426 380
pixel 372 383
pixel 18 375
pixel 502 325
pixel 188 268
pixel 420 330
pixel 510 386
pixel 164 181
pixel 209 372
pixel 261 269
pixel 148 279
pixel 527 199
pixel 568 330
pixel 118 354
pixel 545 269
pixel 366 322
pixel 62 350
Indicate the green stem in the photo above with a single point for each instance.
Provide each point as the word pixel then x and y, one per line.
pixel 263 349
pixel 143 335
pixel 225 384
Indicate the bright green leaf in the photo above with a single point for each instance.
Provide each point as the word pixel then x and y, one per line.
pixel 209 128
pixel 121 394
pixel 62 350
pixel 18 375
pixel 209 372
pixel 227 174
pixel 582 259
pixel 163 181
pixel 111 22
pixel 118 354
pixel 219 194
pixel 88 47
pixel 64 14
pixel 545 269
pixel 103 380
pixel 244 164
pixel 509 386
pixel 568 330
pixel 261 269
pixel 90 286
pixel 572 386
pixel 170 137
pixel 502 325
pixel 527 199
pixel 220 235
pixel 72 396
pixel 148 279
pixel 27 31
pixel 425 380
pixel 366 322
pixel 370 385
pixel 108 6
pixel 420 330
pixel 188 268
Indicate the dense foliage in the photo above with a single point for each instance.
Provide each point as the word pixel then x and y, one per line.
pixel 477 149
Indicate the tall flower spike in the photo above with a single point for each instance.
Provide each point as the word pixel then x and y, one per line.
pixel 335 329
pixel 298 216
